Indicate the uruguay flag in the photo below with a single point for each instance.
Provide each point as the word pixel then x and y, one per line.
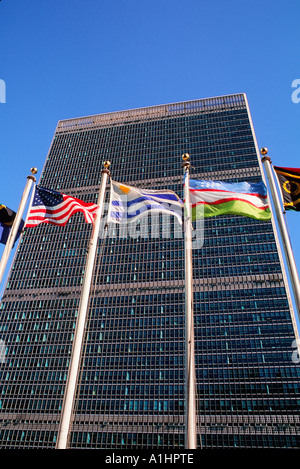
pixel 127 203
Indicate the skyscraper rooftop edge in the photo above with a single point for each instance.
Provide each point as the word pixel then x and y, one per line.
pixel 134 114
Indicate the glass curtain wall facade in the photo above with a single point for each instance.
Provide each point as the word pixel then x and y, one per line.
pixel 131 389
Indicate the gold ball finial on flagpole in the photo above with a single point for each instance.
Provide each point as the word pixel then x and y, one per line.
pixel 31 176
pixel 186 163
pixel 263 152
pixel 106 165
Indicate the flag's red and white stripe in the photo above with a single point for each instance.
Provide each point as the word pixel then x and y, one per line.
pixel 60 214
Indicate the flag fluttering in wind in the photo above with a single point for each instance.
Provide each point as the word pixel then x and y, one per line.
pixel 213 198
pixel 127 203
pixel 289 180
pixel 55 208
pixel 7 217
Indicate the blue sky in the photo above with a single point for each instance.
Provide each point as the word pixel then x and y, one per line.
pixel 68 58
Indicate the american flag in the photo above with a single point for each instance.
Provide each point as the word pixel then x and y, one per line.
pixel 55 208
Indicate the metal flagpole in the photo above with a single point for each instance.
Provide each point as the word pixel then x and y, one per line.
pixel 14 229
pixel 65 422
pixel 284 233
pixel 190 376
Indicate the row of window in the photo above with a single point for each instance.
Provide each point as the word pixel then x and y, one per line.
pixel 148 261
pixel 74 277
pixel 267 372
pixel 166 299
pixel 154 407
pixel 114 440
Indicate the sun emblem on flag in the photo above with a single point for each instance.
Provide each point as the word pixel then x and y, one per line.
pixel 124 189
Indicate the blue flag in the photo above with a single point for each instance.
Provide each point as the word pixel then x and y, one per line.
pixel 7 217
pixel 128 203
